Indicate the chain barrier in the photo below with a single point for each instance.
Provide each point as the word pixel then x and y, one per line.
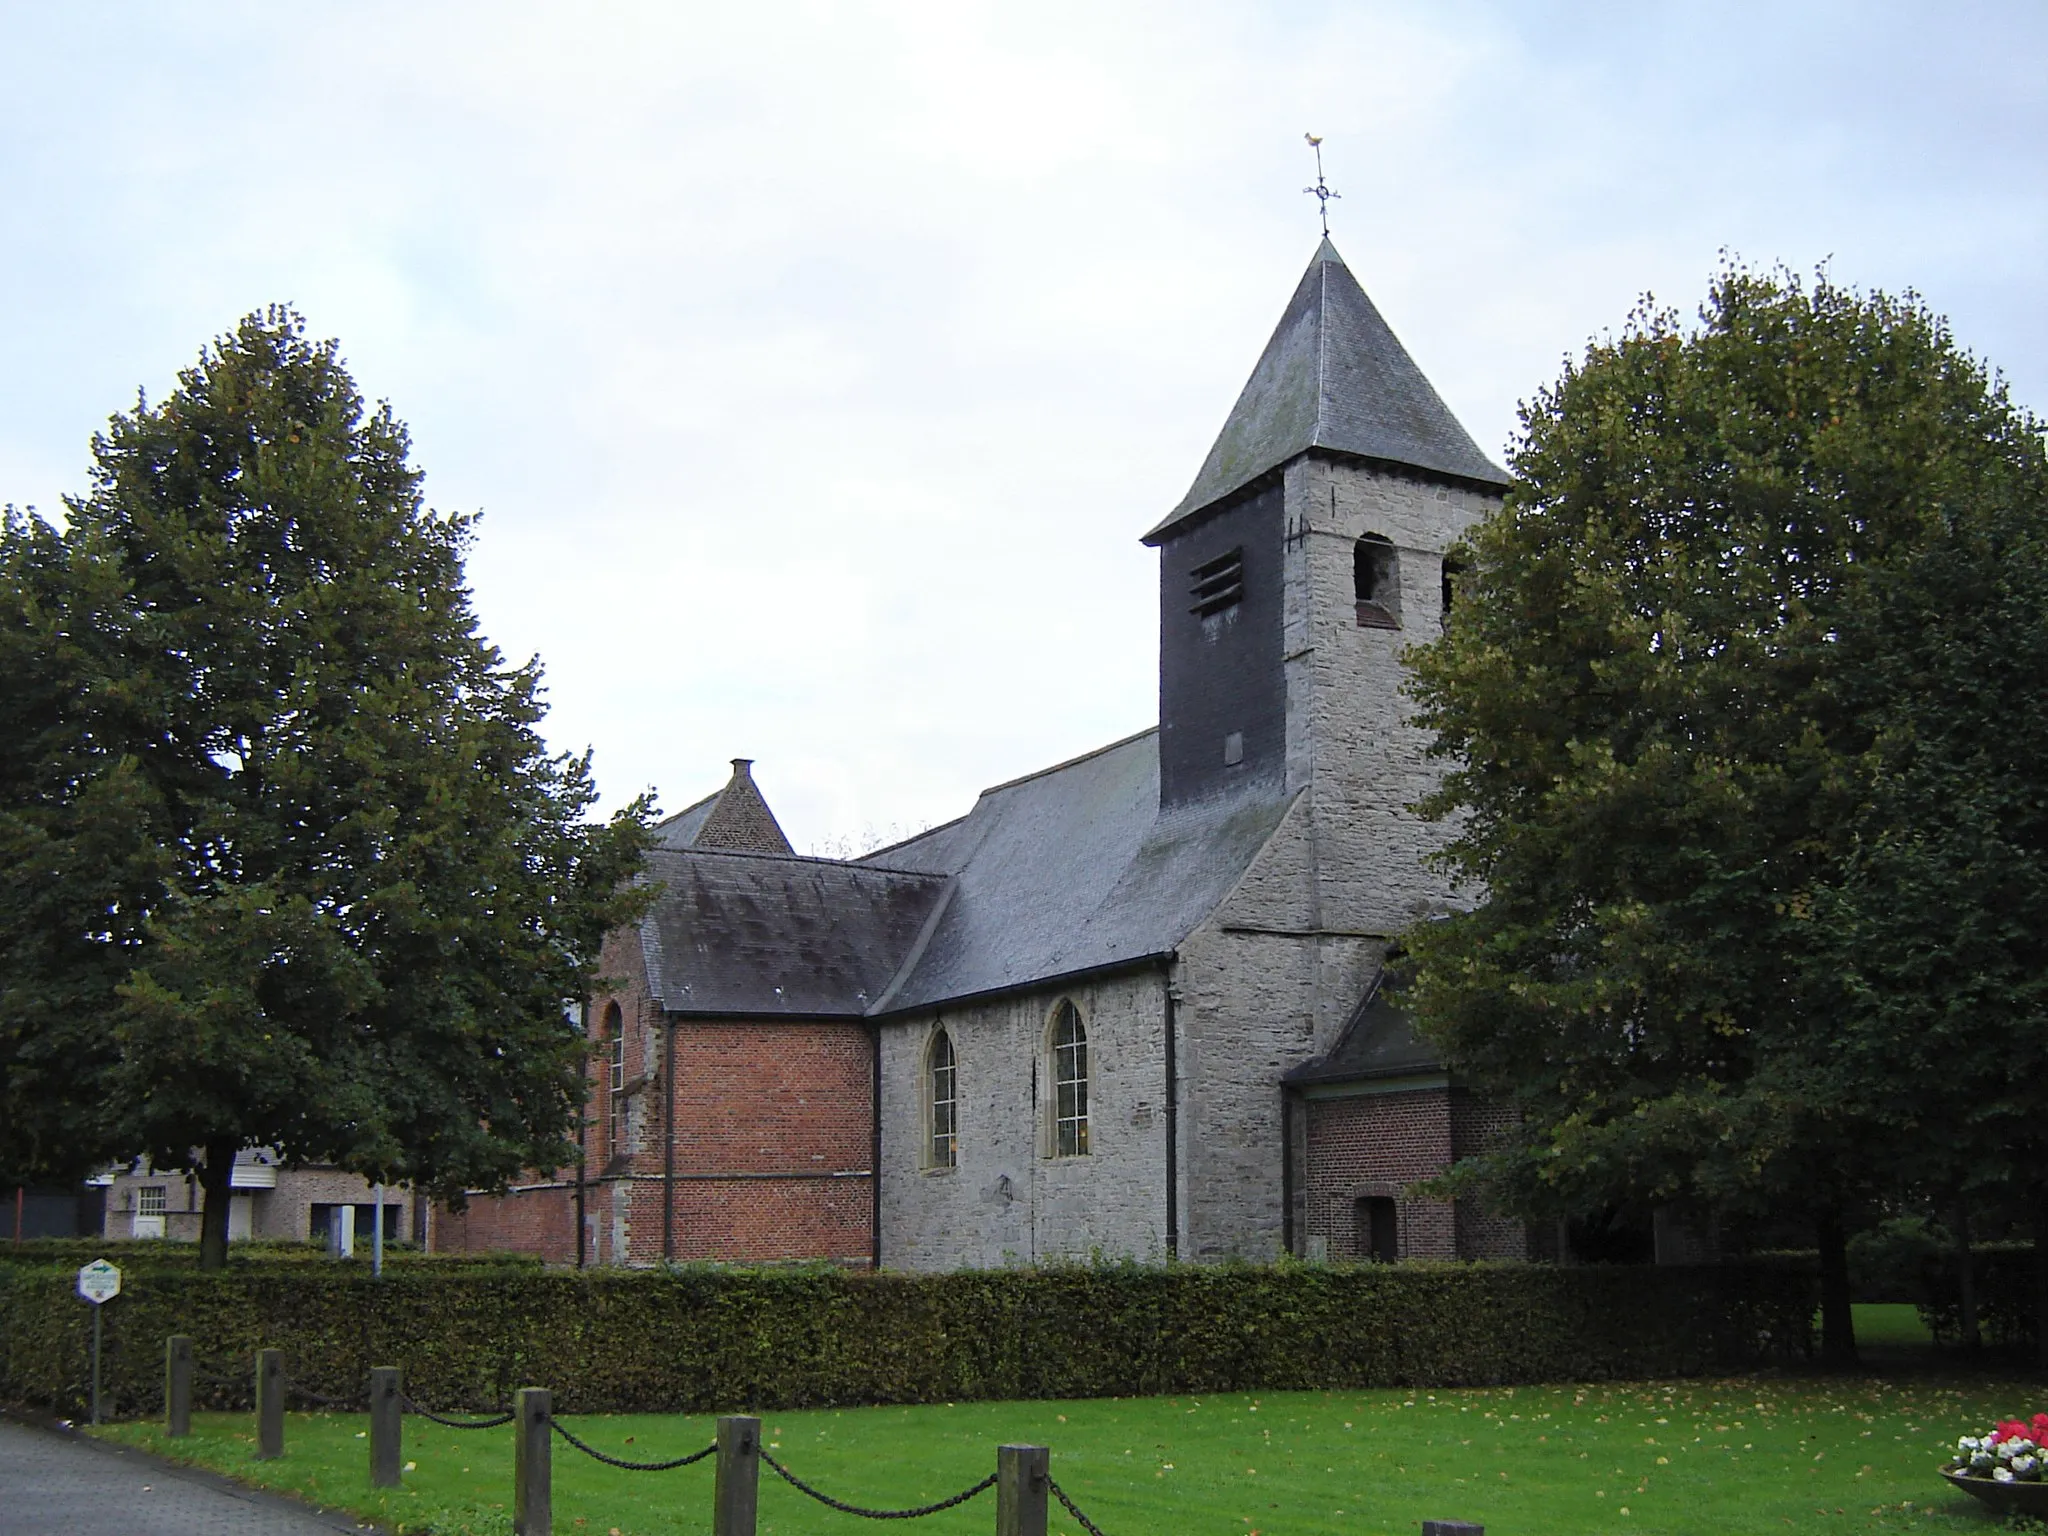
pixel 1061 1494
pixel 412 1406
pixel 829 1502
pixel 321 1399
pixel 628 1466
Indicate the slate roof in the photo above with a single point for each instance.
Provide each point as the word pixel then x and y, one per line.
pixel 747 933
pixel 1074 869
pixel 1071 870
pixel 1378 1041
pixel 1334 377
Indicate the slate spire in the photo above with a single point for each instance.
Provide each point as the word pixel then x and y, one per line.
pixel 1334 376
pixel 739 818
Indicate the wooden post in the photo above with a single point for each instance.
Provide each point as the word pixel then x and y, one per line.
pixel 1451 1528
pixel 269 1404
pixel 387 1433
pixel 178 1385
pixel 533 1499
pixel 1022 1472
pixel 736 1489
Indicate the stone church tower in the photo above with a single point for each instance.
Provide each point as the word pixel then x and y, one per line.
pixel 1132 1004
pixel 1334 499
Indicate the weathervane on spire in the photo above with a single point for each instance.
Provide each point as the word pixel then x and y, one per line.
pixel 1320 190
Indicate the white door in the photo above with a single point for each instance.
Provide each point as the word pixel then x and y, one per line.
pixel 149 1210
pixel 241 1218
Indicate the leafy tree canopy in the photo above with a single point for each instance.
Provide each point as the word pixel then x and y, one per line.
pixel 1737 664
pixel 300 869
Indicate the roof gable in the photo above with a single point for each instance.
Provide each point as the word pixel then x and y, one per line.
pixel 736 818
pixel 1379 1041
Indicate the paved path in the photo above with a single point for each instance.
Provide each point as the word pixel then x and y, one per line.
pixel 57 1484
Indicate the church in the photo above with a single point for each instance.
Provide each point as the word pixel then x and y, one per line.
pixel 1133 1005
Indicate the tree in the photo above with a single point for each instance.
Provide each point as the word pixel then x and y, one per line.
pixel 354 888
pixel 1939 922
pixel 1671 698
pixel 75 876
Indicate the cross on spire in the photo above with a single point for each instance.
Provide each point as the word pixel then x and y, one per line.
pixel 1320 191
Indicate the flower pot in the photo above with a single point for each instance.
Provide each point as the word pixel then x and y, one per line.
pixel 2006 1498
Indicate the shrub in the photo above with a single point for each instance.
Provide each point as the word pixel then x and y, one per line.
pixel 697 1339
pixel 162 1253
pixel 1887 1262
pixel 2006 1305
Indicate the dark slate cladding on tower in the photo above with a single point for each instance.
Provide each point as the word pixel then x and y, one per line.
pixel 1222 692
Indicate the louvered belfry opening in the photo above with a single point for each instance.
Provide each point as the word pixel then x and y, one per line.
pixel 1217 585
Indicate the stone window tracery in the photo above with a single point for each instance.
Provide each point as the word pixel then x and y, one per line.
pixel 1070 1081
pixel 942 1148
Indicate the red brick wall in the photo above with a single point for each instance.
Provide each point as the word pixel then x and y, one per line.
pixel 773 1136
pixel 773 1140
pixel 1377 1145
pixel 1479 1125
pixel 541 1221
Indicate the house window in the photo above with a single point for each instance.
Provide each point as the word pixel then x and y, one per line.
pixel 1379 1231
pixel 941 1081
pixel 1217 585
pixel 1070 1082
pixel 615 1082
pixel 1376 582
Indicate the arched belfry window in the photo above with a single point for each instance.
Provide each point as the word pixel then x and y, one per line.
pixel 1376 582
pixel 942 1103
pixel 1455 565
pixel 615 1081
pixel 1069 1081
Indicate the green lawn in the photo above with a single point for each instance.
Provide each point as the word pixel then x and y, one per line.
pixel 1788 1455
pixel 1889 1324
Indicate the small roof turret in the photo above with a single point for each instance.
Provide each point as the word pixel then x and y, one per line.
pixel 1335 377
pixel 736 819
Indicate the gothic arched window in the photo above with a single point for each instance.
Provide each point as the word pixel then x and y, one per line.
pixel 1376 582
pixel 942 1103
pixel 1069 1040
pixel 615 1082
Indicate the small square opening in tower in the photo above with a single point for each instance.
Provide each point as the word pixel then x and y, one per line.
pixel 1233 749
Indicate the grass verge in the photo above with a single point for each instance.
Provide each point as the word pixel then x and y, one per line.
pixel 1684 1458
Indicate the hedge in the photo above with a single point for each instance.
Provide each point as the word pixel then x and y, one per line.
pixel 702 1339
pixel 2008 1294
pixel 161 1253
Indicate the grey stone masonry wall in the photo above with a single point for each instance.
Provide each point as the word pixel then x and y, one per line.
pixel 1007 1200
pixel 1260 989
pixel 1270 980
pixel 1349 741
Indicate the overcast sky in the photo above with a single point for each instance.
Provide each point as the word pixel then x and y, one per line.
pixel 816 367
